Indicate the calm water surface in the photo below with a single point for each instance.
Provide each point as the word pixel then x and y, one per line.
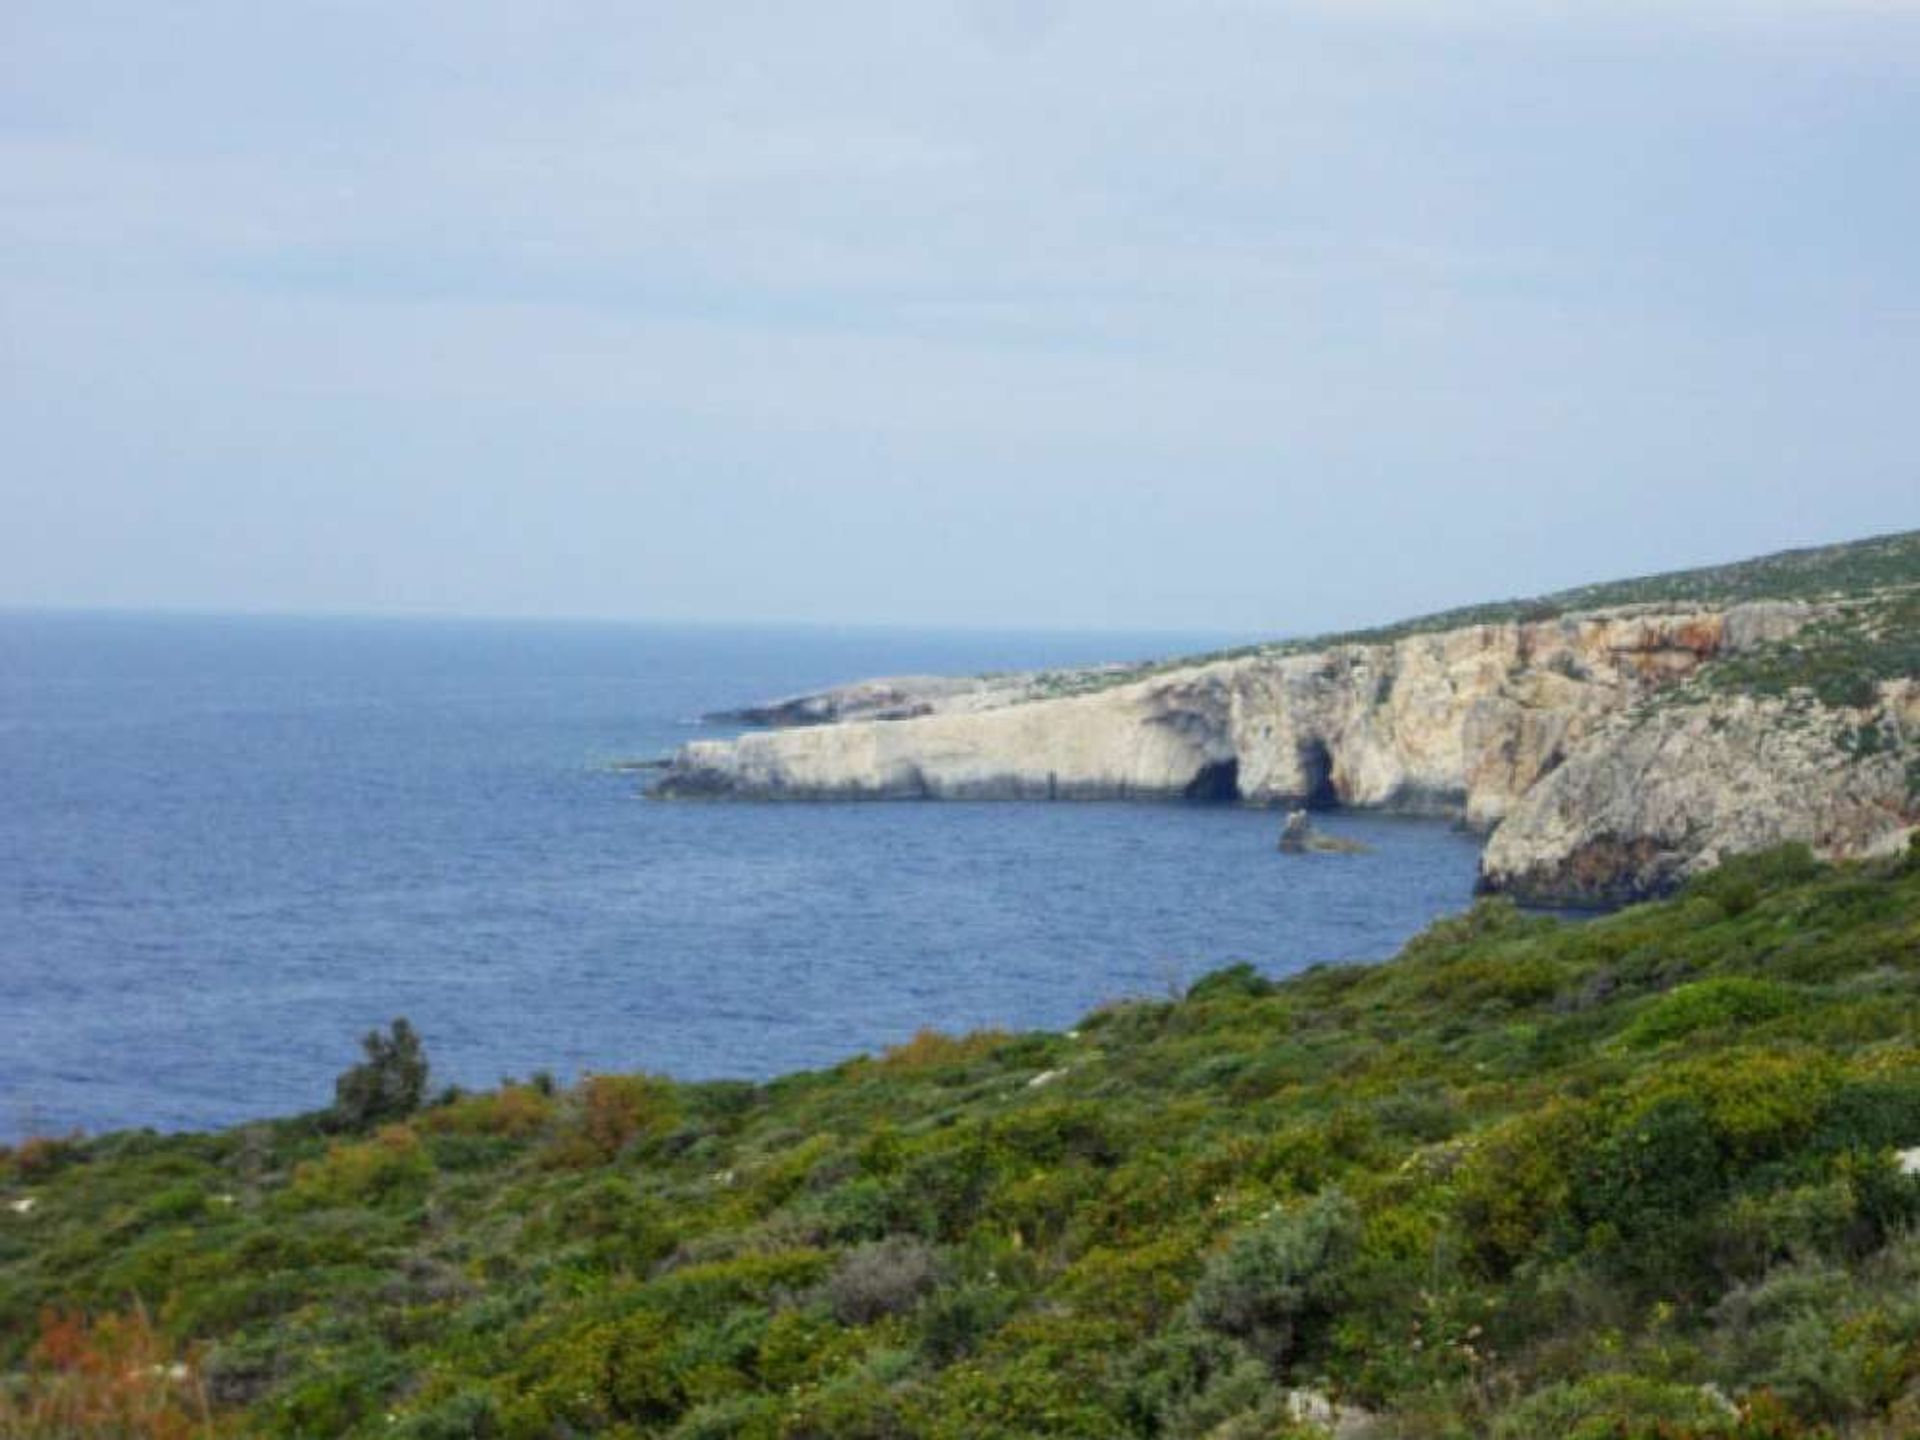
pixel 229 846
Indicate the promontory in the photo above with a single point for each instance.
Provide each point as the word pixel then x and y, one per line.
pixel 1610 740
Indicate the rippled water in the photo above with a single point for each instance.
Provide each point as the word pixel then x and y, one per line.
pixel 229 846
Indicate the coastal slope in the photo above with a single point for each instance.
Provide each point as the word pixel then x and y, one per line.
pixel 1654 1174
pixel 1612 740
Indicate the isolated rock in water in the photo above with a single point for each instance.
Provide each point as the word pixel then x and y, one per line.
pixel 1298 837
pixel 1295 833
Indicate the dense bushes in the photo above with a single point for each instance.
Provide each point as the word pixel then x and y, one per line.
pixel 1532 1178
pixel 1276 1287
pixel 369 1173
pixel 1724 1001
pixel 874 1281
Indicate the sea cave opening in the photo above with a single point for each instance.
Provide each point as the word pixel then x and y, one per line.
pixel 1316 769
pixel 1216 784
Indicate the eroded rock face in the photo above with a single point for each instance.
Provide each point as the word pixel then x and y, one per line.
pixel 1656 797
pixel 1531 730
pixel 1457 722
pixel 1130 742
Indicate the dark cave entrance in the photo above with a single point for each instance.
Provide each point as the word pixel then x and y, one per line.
pixel 1215 784
pixel 1316 767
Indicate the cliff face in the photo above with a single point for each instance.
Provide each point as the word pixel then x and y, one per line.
pixel 1460 722
pixel 1530 729
pixel 1655 796
pixel 1131 741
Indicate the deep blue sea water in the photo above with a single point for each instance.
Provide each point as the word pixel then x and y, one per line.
pixel 230 846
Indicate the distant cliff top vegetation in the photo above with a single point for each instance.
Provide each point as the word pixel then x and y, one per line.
pixel 1827 572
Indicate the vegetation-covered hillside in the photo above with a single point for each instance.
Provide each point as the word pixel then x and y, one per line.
pixel 1825 572
pixel 1878 567
pixel 1633 1176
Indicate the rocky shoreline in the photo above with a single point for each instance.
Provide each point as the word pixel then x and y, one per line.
pixel 1584 745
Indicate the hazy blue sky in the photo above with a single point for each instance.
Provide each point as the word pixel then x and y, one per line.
pixel 1218 314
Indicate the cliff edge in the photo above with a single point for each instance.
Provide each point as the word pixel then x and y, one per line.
pixel 1611 750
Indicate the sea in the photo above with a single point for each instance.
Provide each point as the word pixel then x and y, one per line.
pixel 230 846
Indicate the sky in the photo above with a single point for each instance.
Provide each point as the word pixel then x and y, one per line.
pixel 1228 315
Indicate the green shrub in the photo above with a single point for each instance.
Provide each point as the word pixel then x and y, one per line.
pixel 1759 1103
pixel 932 1050
pixel 1240 1402
pixel 1737 884
pixel 1516 1183
pixel 1646 1190
pixel 1762 1229
pixel 350 1386
pixel 798 1348
pixel 1418 1114
pixel 1886 1201
pixel 391 1166
pixel 957 1319
pixel 1278 1284
pixel 863 1209
pixel 597 1376
pixel 1042 1375
pixel 887 1277
pixel 388 1085
pixel 949 1181
pixel 511 1112
pixel 710 1291
pixel 1830 1346
pixel 1163 1377
pixel 1146 1284
pixel 609 1113
pixel 466 1416
pixel 1236 982
pixel 851 1407
pixel 609 1221
pixel 737 1417
pixel 1710 1004
pixel 1870 1115
pixel 1615 1407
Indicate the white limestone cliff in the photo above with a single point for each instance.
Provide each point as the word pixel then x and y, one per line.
pixel 1471 722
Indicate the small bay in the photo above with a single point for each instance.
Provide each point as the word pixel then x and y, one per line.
pixel 230 845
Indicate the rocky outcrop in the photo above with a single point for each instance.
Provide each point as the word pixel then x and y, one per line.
pixel 1658 794
pixel 1574 740
pixel 1459 722
pixel 1298 836
pixel 1128 742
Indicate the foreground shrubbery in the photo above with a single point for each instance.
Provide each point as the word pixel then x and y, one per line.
pixel 1630 1177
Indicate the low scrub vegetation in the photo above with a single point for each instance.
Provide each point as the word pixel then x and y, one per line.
pixel 1840 660
pixel 1632 1176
